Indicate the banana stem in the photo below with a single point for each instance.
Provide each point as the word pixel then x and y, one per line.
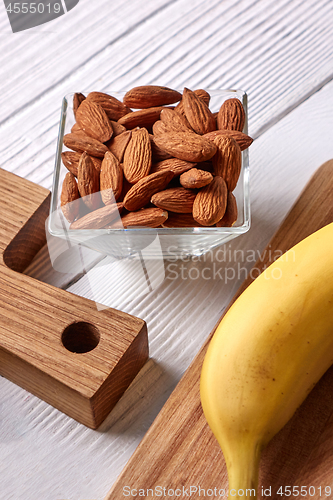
pixel 243 473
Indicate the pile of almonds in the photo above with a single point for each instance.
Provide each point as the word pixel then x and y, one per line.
pixel 156 166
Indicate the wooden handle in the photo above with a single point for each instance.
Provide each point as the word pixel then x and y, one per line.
pixel 53 343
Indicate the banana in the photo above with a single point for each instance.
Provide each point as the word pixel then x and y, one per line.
pixel 268 352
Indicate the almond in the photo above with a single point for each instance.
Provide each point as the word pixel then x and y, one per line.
pixel 117 128
pixel 160 128
pixel 198 113
pixel 174 121
pixel 78 98
pixel 227 161
pixel 231 213
pixel 179 200
pixel 114 108
pixel 69 198
pixel 97 163
pixel 71 161
pixel 118 144
pixel 77 130
pixel 147 96
pixel 243 140
pixel 85 144
pixel 180 220
pixel 203 94
pixel 186 146
pixel 88 182
pixel 138 156
pixel 211 202
pixel 142 118
pixel 147 217
pixel 98 219
pixel 111 179
pixel 231 115
pixel 93 120
pixel 177 166
pixel 195 178
pixel 200 93
pixel 158 153
pixel 140 194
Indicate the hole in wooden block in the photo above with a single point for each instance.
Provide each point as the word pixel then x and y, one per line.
pixel 80 337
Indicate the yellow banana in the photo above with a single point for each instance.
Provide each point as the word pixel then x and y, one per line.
pixel 268 352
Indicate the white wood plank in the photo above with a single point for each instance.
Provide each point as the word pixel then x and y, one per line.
pixel 35 61
pixel 180 314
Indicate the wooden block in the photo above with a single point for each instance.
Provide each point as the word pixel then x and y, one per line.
pixel 180 451
pixel 53 343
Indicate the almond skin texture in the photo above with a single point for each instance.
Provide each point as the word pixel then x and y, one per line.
pixel 231 212
pixel 97 163
pixel 231 115
pixel 139 194
pixel 138 156
pixel 211 202
pixel 179 200
pixel 148 96
pixel 177 166
pixel 118 144
pixel 98 219
pixel 195 178
pixel 147 217
pixel 158 153
pixel 203 94
pixel 200 93
pixel 93 120
pixel 142 118
pixel 186 146
pixel 126 187
pixel 111 179
pixel 88 182
pixel 243 140
pixel 228 160
pixel 77 130
pixel 197 113
pixel 173 121
pixel 114 108
pixel 117 128
pixel 71 161
pixel 160 128
pixel 78 98
pixel 180 220
pixel 86 144
pixel 69 198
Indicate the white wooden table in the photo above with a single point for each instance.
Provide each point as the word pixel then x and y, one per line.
pixel 281 53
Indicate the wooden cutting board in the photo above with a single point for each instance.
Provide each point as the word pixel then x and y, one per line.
pixel 180 451
pixel 53 343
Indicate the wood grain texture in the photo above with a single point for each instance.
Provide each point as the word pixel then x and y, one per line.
pixel 179 448
pixel 34 317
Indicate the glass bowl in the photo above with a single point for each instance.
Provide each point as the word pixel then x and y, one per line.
pixel 155 243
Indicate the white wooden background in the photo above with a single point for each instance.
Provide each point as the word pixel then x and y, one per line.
pixel 281 53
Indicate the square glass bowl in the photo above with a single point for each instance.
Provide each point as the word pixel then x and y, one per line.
pixel 156 243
